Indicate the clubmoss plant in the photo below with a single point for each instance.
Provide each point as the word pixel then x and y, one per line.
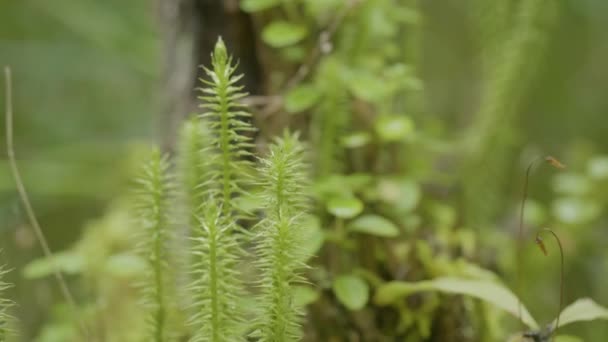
pixel 217 284
pixel 229 125
pixel 216 288
pixel 153 196
pixel 279 235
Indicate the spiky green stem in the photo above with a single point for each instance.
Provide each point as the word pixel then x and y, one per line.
pixel 279 234
pixel 216 285
pixel 153 211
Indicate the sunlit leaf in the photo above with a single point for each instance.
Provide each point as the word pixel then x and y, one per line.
pixel 486 290
pixel 394 127
pixel 282 33
pixel 345 207
pixel 67 262
pixel 367 86
pixel 374 225
pixel 584 309
pixel 357 139
pixel 351 291
pixel 301 98
pixel 402 193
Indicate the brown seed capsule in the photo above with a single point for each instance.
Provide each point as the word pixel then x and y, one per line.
pixel 554 162
pixel 541 245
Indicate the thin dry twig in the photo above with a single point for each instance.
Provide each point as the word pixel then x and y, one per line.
pixel 65 291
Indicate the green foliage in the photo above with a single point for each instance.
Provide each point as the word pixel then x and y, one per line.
pixel 374 225
pixel 281 257
pixel 486 290
pixel 153 212
pixel 351 291
pixel 106 265
pixel 344 207
pixel 301 98
pixel 395 98
pixel 582 310
pixel 282 34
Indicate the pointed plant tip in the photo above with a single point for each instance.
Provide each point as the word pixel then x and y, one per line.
pixel 554 162
pixel 219 52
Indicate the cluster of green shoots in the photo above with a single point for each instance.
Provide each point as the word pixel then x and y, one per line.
pixel 214 172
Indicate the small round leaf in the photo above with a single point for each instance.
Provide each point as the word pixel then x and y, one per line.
pixel 356 139
pixel 374 225
pixel 282 33
pixel 351 291
pixel 345 207
pixel 394 127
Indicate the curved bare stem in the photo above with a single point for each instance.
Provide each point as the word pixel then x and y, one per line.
pixel 541 245
pixel 520 235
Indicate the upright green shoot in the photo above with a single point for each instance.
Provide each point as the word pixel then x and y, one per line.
pixel 229 124
pixel 217 286
pixel 152 202
pixel 279 235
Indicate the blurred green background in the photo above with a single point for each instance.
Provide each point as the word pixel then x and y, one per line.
pixel 88 97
